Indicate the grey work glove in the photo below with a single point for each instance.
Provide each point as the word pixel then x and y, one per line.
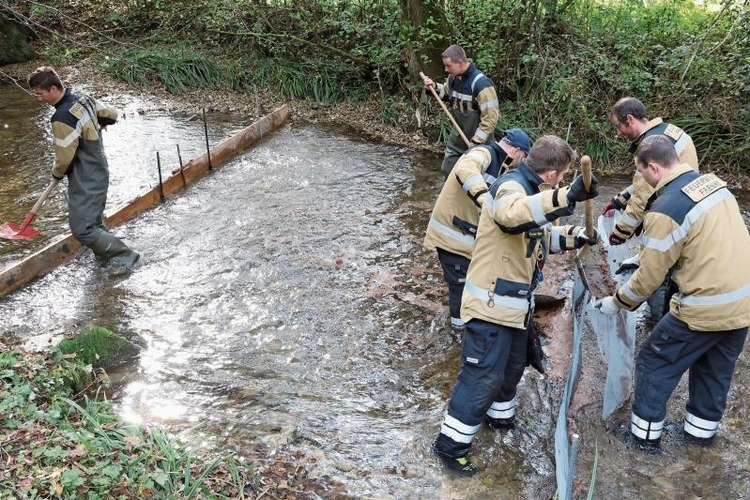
pixel 577 192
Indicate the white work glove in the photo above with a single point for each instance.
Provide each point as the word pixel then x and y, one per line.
pixel 630 264
pixel 607 306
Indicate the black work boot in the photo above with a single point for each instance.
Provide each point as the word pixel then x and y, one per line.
pixel 623 434
pixel 460 465
pixel 501 424
pixel 704 442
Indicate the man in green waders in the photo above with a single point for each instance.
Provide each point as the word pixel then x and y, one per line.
pixel 472 97
pixel 79 154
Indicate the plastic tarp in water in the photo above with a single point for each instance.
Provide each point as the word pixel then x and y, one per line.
pixel 616 340
pixel 565 459
pixel 615 335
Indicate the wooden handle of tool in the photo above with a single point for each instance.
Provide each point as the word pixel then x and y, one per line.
pixel 586 172
pixel 38 205
pixel 448 113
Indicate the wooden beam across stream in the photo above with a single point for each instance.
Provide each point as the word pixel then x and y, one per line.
pixel 65 248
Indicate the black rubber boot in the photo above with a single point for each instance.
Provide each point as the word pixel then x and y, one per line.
pixel 623 434
pixel 704 442
pixel 501 424
pixel 459 465
pixel 119 256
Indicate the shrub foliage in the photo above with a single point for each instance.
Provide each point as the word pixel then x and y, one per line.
pixel 554 62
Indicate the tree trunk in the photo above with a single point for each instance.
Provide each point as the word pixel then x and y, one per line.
pixel 421 54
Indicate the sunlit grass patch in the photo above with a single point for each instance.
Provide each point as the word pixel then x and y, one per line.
pixel 54 444
pixel 98 346
pixel 175 68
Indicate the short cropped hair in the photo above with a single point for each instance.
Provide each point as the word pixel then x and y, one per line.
pixel 550 153
pixel 657 149
pixel 629 106
pixel 45 78
pixel 455 53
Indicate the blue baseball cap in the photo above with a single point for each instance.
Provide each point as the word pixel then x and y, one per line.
pixel 518 138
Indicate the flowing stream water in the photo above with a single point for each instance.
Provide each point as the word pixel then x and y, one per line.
pixel 285 300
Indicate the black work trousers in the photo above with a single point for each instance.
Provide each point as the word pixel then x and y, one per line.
pixel 671 349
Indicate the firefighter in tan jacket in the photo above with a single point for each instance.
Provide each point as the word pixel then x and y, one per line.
pixel 453 223
pixel 630 120
pixel 514 236
pixel 473 102
pixel 694 227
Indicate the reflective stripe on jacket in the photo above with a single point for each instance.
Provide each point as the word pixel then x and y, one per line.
pixel 457 207
pixel 501 274
pixel 637 194
pixel 76 126
pixel 694 225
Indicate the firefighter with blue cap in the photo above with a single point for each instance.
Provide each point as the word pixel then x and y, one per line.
pixel 454 218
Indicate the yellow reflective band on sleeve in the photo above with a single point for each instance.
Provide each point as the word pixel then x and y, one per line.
pixel 490 104
pixel 627 220
pixel 474 180
pixel 536 203
pixel 481 134
pixel 626 291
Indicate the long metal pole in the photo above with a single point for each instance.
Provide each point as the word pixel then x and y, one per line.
pixel 208 148
pixel 182 174
pixel 161 185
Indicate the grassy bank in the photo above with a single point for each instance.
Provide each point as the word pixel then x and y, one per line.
pixel 60 438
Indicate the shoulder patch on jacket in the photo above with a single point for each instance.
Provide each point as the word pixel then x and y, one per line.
pixel 673 131
pixel 703 186
pixel 77 110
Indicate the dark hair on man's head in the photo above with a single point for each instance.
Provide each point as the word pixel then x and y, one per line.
pixel 629 106
pixel 656 149
pixel 45 78
pixel 550 153
pixel 455 53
